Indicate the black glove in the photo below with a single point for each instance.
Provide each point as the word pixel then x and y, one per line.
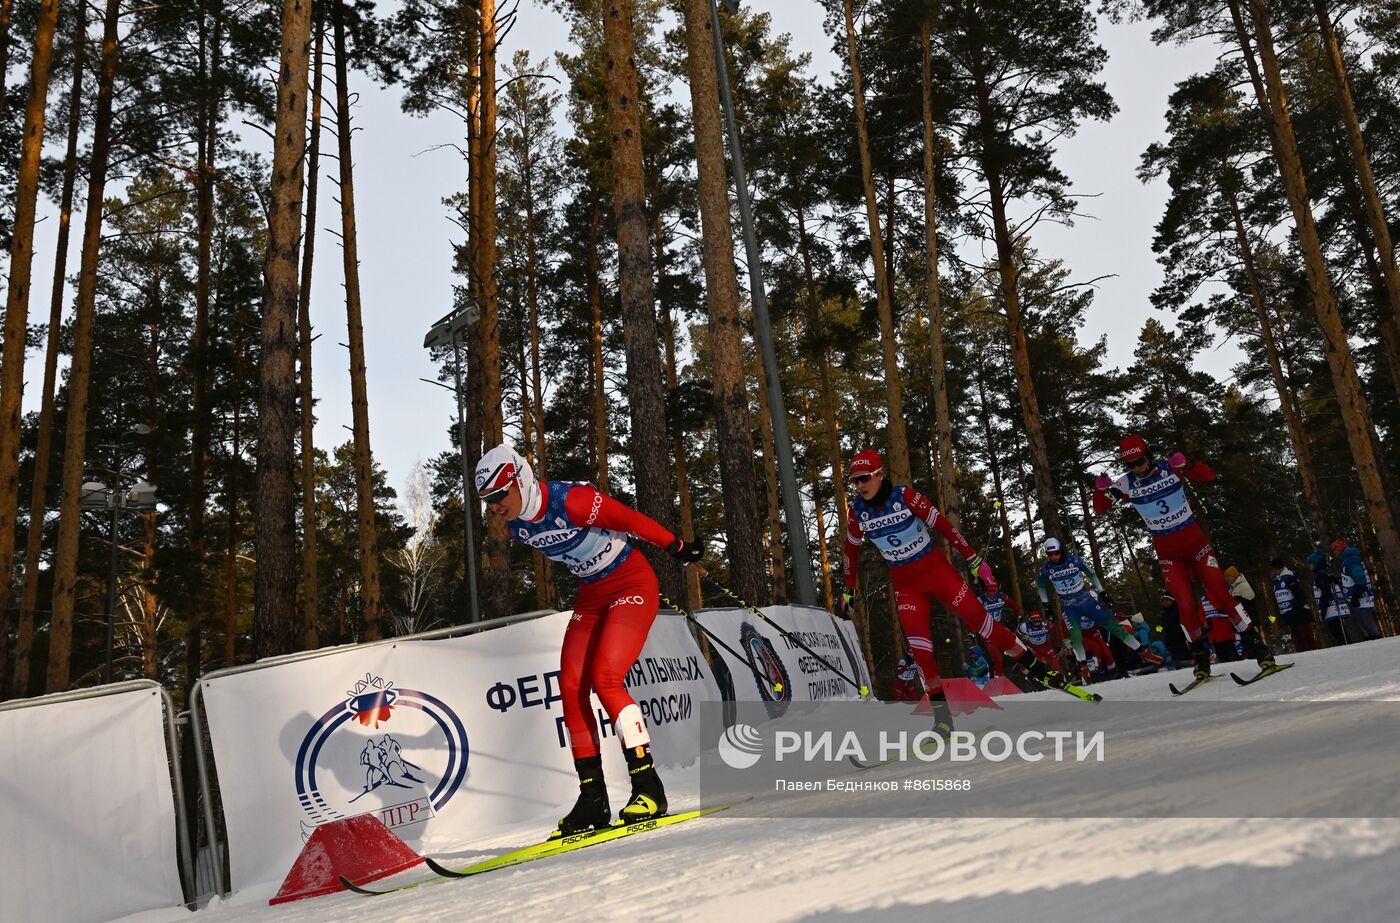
pixel 686 552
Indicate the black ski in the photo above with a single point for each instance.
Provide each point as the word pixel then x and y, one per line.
pixel 1268 671
pixel 1198 681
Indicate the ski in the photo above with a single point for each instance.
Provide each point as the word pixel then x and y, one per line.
pixel 1079 692
pixel 922 748
pixel 550 847
pixel 1268 671
pixel 1199 681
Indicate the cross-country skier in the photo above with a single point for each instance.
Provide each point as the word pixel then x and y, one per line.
pixel 1080 601
pixel 996 601
pixel 1358 589
pixel 1157 490
pixel 897 520
pixel 1331 602
pixel 1219 632
pixel 592 535
pixel 1288 593
pixel 1035 631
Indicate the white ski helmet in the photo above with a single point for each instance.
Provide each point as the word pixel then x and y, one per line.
pixel 1053 547
pixel 498 468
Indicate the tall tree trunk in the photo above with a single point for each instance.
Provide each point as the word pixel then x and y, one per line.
pixel 944 473
pixel 310 579
pixel 495 576
pixel 599 403
pixel 231 545
pixel 17 303
pixel 371 602
pixel 1297 434
pixel 210 54
pixel 776 567
pixel 693 597
pixel 812 302
pixel 544 569
pixel 1355 412
pixel 80 370
pixel 1009 274
pixel 1375 212
pixel 24 638
pixel 827 590
pixel 650 445
pixel 733 428
pixel 275 579
pixel 6 9
pixel 994 463
pixel 897 456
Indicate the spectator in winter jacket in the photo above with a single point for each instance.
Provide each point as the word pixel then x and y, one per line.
pixel 1328 595
pixel 1288 593
pixel 978 670
pixel 1141 629
pixel 1242 591
pixel 1358 589
pixel 1172 633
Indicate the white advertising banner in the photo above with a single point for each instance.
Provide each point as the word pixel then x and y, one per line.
pixel 441 740
pixel 853 650
pixel 87 813
pixel 780 660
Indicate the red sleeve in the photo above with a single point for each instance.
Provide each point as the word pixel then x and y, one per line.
pixel 587 507
pixel 1197 471
pixel 850 554
pixel 1103 501
pixel 926 511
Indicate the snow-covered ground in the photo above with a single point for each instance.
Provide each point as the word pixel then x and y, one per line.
pixel 731 867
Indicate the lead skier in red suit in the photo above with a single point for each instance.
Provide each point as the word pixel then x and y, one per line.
pixel 1157 490
pixel 897 520
pixel 591 534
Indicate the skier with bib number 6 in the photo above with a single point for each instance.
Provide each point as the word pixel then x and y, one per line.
pixel 592 535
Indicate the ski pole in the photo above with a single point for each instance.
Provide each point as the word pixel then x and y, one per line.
pixel 859 687
pixel 777 686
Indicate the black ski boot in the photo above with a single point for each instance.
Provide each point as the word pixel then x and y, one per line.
pixel 1255 647
pixel 942 716
pixel 648 796
pixel 1039 673
pixel 591 811
pixel 1200 653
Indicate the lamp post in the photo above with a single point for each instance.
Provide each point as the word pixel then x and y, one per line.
pixel 792 500
pixel 446 333
pixel 98 496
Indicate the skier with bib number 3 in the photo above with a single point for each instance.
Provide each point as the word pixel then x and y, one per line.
pixel 897 520
pixel 592 535
pixel 1157 490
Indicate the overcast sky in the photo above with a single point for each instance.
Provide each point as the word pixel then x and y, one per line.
pixel 406 240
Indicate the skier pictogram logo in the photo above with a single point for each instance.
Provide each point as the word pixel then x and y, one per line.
pixel 400 754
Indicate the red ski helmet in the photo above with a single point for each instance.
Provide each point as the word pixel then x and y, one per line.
pixel 1132 448
pixel 864 463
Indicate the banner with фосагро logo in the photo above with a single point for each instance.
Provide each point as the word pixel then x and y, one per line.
pixel 441 740
pixel 776 669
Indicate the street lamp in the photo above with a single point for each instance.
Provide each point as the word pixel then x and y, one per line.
pixel 125 493
pixel 792 500
pixel 446 332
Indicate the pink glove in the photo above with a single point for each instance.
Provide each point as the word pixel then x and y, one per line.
pixel 1177 461
pixel 1103 482
pixel 983 572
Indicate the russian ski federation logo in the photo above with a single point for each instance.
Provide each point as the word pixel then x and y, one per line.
pixel 399 754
